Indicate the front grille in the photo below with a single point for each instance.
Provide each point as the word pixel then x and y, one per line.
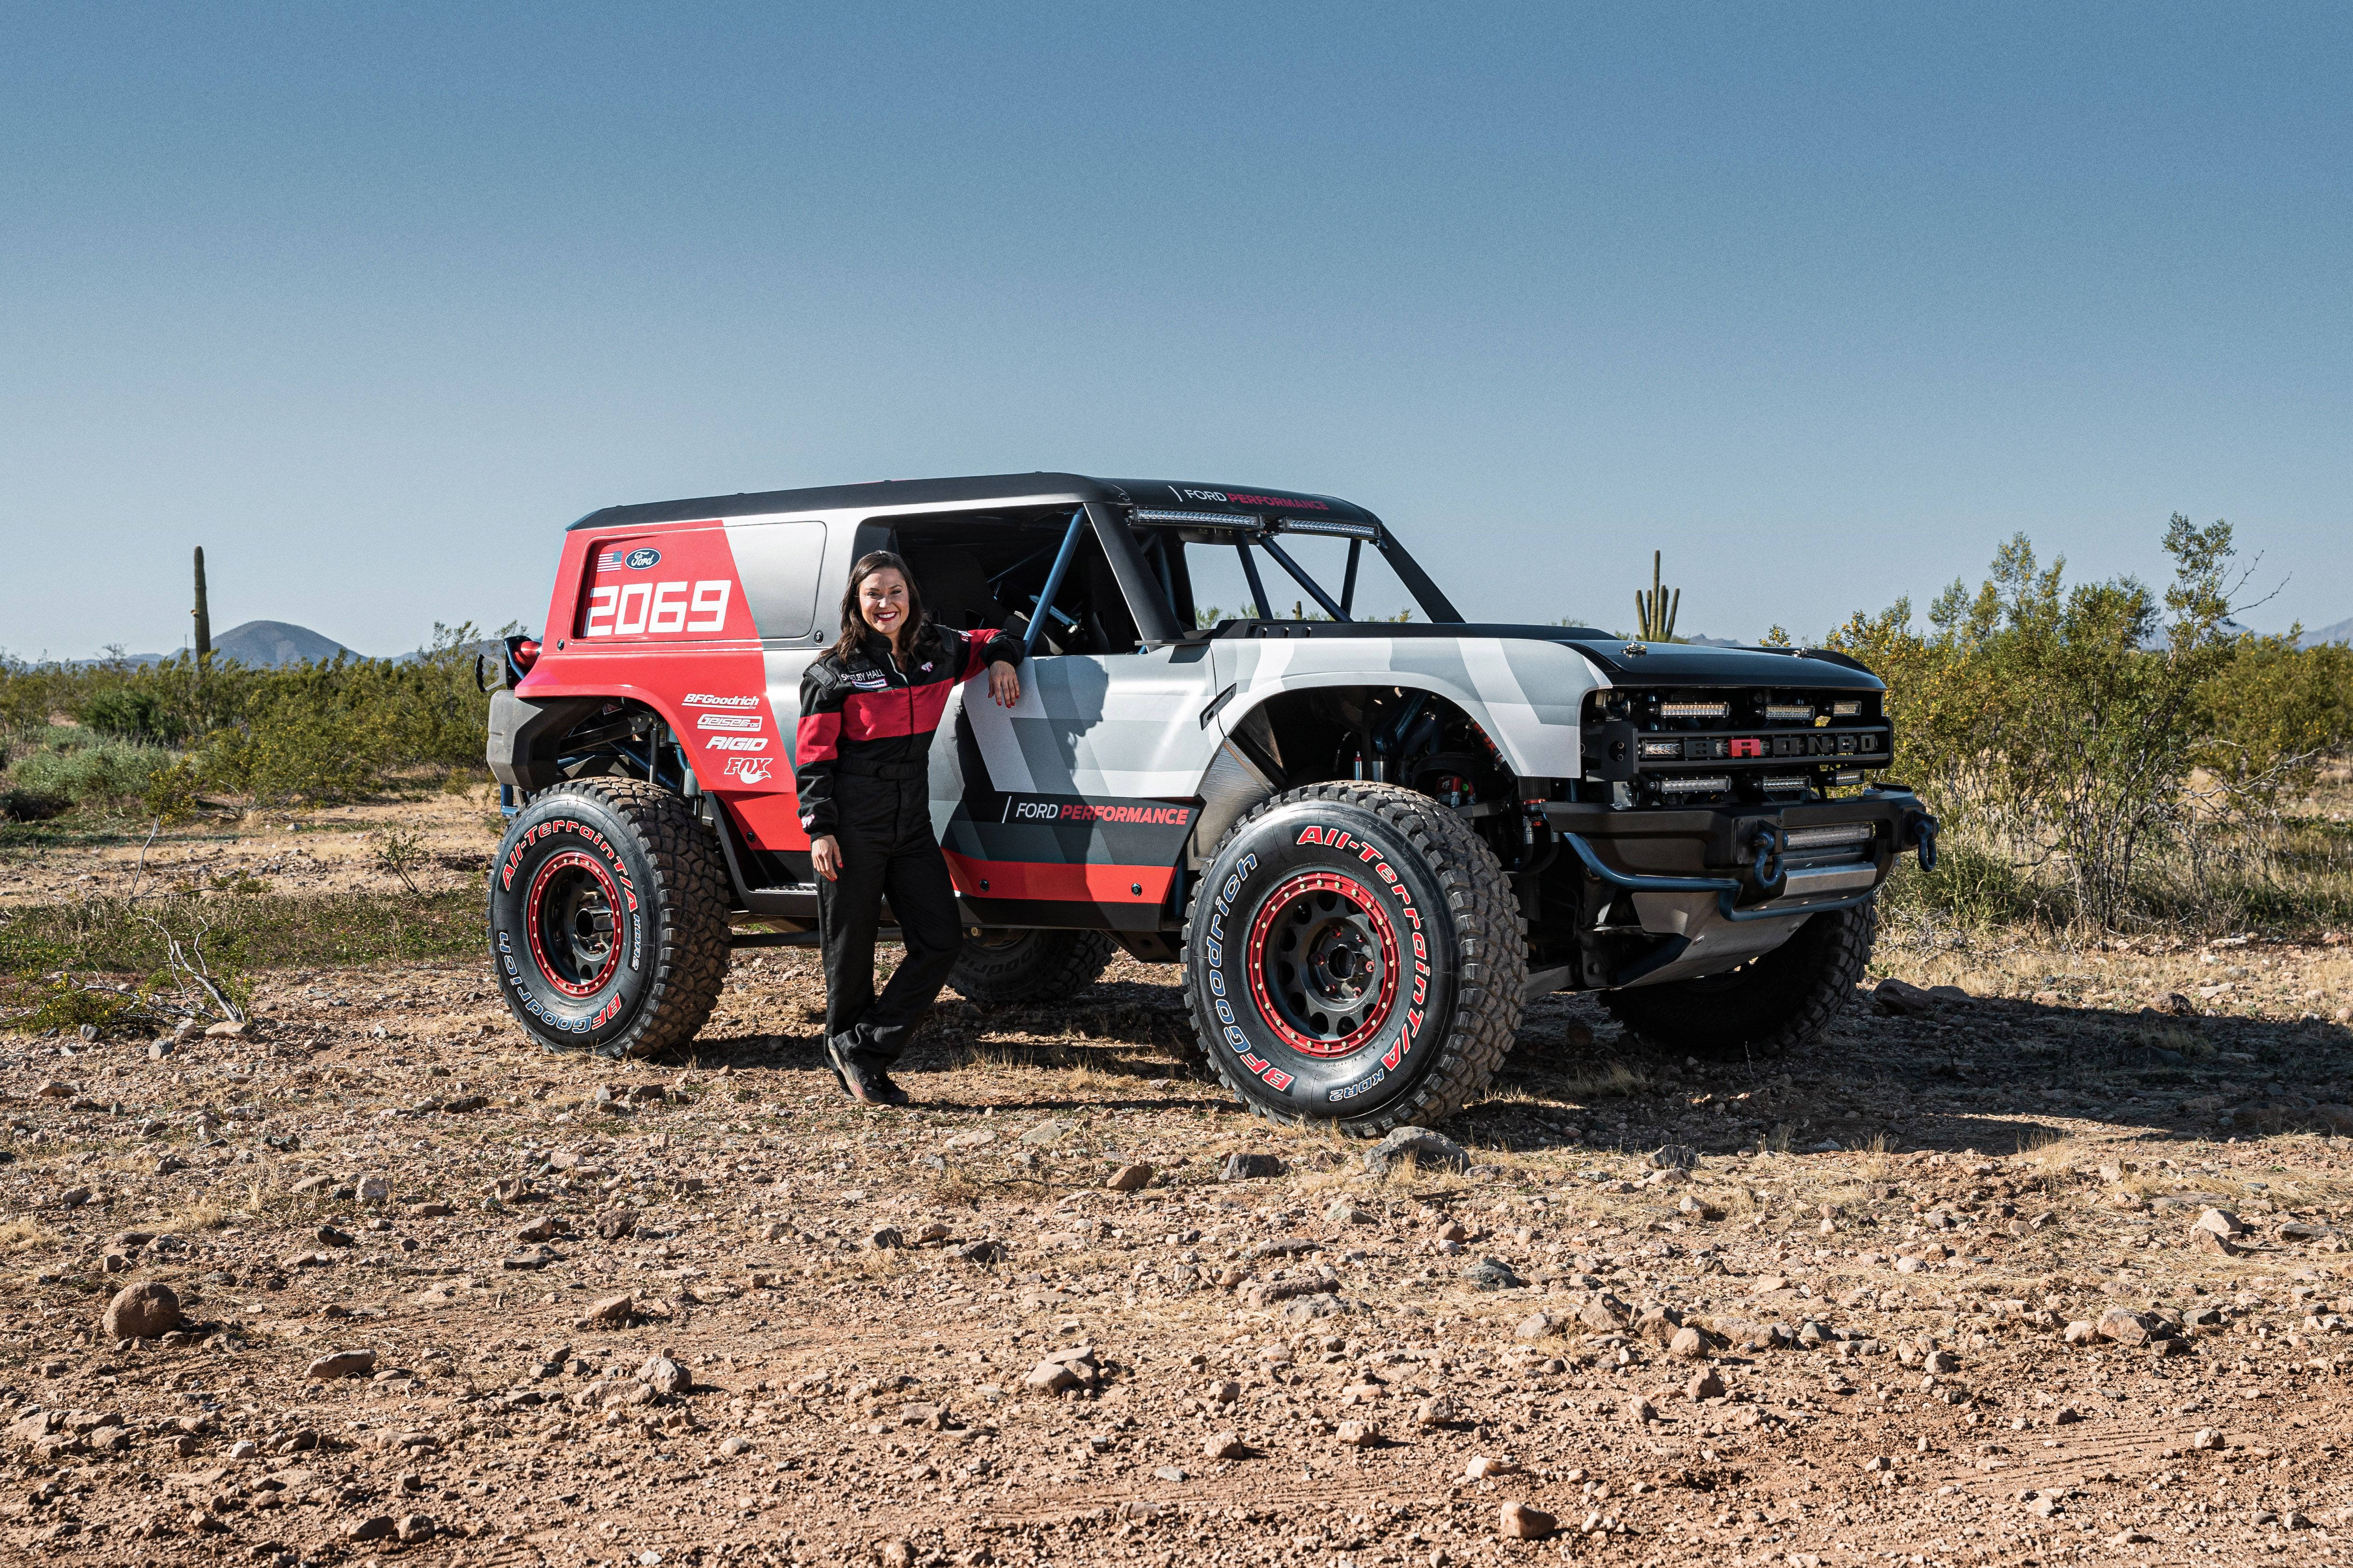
pixel 1690 747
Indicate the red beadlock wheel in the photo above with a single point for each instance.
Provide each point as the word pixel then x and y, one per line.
pixel 570 913
pixel 1323 959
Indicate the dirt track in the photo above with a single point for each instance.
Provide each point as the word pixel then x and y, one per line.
pixel 847 1398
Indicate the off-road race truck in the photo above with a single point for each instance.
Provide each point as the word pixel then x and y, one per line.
pixel 1367 842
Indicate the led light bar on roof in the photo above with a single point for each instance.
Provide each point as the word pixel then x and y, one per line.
pixel 1695 709
pixel 1693 786
pixel 1199 519
pixel 1823 837
pixel 1329 525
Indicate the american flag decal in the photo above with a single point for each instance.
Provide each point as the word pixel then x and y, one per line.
pixel 609 561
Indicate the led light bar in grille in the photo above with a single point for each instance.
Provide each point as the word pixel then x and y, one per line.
pixel 1823 838
pixel 1693 786
pixel 1198 519
pixel 1695 709
pixel 1847 709
pixel 1852 776
pixel 1799 711
pixel 1663 748
pixel 1784 781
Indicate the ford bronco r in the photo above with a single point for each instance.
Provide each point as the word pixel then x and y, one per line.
pixel 1367 842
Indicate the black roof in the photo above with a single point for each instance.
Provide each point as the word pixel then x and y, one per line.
pixel 1173 494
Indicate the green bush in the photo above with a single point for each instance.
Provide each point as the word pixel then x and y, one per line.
pixel 95 775
pixel 2103 733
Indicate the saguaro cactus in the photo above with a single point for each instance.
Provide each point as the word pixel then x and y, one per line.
pixel 1655 611
pixel 204 613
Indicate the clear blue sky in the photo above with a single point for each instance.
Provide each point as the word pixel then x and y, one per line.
pixel 1823 300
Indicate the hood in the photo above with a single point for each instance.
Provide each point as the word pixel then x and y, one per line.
pixel 1658 663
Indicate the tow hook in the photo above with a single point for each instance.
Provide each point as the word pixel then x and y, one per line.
pixel 1922 829
pixel 1768 846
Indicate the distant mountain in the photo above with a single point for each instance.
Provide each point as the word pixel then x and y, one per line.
pixel 267 645
pixel 2342 631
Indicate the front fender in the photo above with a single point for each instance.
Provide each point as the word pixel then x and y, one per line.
pixel 1526 695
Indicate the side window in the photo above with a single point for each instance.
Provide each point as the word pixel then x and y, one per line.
pixel 778 564
pixel 988 572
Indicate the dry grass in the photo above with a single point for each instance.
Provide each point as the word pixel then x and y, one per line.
pixel 20 1233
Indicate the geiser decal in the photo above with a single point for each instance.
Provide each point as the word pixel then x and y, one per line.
pixel 741 722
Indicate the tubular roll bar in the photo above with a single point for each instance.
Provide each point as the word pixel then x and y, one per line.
pixel 1054 579
pixel 1282 558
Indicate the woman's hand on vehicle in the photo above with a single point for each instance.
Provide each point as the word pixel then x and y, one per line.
pixel 1004 685
pixel 825 856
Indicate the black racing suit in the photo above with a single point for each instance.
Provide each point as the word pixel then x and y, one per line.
pixel 862 769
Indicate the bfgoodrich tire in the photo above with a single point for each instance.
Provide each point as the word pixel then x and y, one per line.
pixel 998 967
pixel 608 919
pixel 1354 956
pixel 1773 1003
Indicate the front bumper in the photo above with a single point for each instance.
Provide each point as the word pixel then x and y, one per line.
pixel 1761 861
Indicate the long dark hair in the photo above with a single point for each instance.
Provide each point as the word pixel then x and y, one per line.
pixel 854 629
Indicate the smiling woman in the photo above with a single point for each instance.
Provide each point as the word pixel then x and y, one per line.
pixel 868 709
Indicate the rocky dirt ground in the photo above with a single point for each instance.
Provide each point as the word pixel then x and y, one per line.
pixel 442 841
pixel 2033 1271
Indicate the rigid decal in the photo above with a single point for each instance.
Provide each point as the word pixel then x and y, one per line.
pixel 737 744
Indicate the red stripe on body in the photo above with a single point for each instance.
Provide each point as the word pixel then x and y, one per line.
pixel 816 739
pixel 1080 883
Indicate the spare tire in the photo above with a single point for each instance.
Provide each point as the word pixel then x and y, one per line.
pixel 1354 955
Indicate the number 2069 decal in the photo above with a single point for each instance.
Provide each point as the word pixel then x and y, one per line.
pixel 657 609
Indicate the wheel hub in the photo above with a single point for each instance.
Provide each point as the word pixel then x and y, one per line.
pixel 1323 963
pixel 569 915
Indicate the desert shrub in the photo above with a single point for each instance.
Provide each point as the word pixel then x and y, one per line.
pixel 2090 735
pixel 94 774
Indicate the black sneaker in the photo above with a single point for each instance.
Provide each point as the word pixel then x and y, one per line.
pixel 868 1086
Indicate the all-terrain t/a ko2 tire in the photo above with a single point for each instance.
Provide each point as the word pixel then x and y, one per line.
pixel 1354 955
pixel 998 967
pixel 608 918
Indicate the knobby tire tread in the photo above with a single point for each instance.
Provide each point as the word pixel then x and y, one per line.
pixel 690 899
pixel 1492 950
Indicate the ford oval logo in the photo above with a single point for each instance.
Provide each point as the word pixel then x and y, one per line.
pixel 641 559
